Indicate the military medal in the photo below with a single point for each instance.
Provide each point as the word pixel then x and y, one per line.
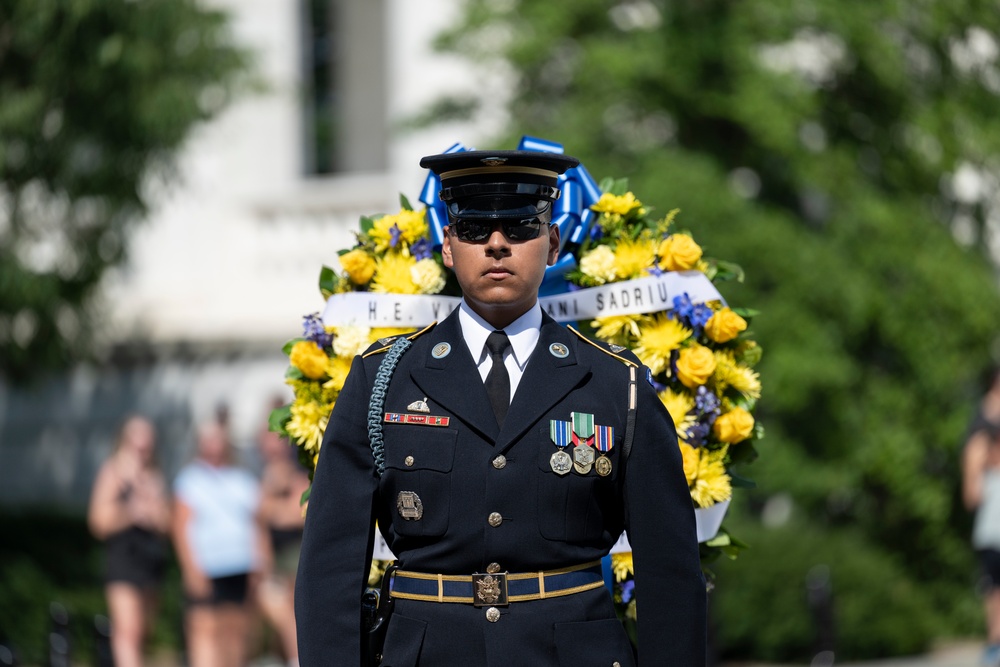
pixel 583 458
pixel 561 433
pixel 583 438
pixel 604 440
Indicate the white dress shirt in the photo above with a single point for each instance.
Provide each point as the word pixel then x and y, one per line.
pixel 522 332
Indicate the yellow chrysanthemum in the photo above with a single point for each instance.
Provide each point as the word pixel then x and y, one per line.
pixel 393 276
pixel 428 276
pixel 309 358
pixel 350 340
pixel 308 423
pixel 691 459
pixel 712 484
pixel 599 265
pixel 617 204
pixel 398 231
pixel 618 328
pixel 621 565
pixel 633 258
pixel 657 340
pixel 728 373
pixel 679 405
pixel 337 369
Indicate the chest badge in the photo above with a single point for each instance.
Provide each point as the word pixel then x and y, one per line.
pixel 409 506
pixel 419 420
pixel 419 406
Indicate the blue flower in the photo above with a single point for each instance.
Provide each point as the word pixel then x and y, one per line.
pixel 628 590
pixel 420 250
pixel 692 316
pixel 394 233
pixel 697 434
pixel 596 233
pixel 706 402
pixel 313 329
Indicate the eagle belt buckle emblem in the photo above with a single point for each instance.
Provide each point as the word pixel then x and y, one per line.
pixel 489 590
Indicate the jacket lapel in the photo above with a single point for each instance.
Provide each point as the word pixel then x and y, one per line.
pixel 547 379
pixel 453 380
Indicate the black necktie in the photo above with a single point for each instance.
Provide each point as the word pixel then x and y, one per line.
pixel 498 381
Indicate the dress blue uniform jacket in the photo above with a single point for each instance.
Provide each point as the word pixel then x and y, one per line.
pixel 548 521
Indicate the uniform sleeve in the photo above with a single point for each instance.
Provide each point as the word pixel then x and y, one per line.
pixel 669 584
pixel 338 535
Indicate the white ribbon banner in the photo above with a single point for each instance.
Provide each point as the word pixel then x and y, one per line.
pixel 630 297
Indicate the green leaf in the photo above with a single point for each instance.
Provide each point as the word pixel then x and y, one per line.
pixel 727 271
pixel 293 373
pixel 404 202
pixel 305 495
pixel 606 184
pixel 287 347
pixel 366 223
pixel 751 356
pixel 743 452
pixel 278 418
pixel 720 540
pixel 619 187
pixel 741 482
pixel 746 313
pixel 328 281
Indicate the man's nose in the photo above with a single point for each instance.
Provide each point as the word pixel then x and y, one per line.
pixel 497 241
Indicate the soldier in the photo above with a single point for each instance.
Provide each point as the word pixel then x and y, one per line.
pixel 507 457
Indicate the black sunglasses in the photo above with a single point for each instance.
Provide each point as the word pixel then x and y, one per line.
pixel 476 231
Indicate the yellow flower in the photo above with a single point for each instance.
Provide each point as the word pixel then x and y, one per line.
pixel 618 327
pixel 337 369
pixel 392 275
pixel 691 459
pixel 734 426
pixel 599 264
pixel 633 258
pixel 350 340
pixel 695 365
pixel 728 373
pixel 309 358
pixel 428 276
pixel 711 484
pixel 621 565
pixel 657 340
pixel 308 422
pixel 359 265
pixel 724 325
pixel 679 405
pixel 616 204
pixel 399 231
pixel 678 252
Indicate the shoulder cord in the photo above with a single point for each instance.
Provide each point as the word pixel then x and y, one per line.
pixel 630 420
pixel 377 401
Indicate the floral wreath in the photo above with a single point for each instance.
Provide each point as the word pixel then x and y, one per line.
pixel 623 275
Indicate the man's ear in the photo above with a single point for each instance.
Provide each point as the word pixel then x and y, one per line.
pixel 446 257
pixel 553 244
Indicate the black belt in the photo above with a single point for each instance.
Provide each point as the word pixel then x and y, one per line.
pixel 497 588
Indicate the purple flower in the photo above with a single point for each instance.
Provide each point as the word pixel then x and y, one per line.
pixel 690 315
pixel 313 329
pixel 655 271
pixel 421 249
pixel 697 434
pixel 596 233
pixel 394 233
pixel 628 590
pixel 706 402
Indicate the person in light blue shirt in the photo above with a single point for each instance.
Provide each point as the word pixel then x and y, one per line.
pixel 220 548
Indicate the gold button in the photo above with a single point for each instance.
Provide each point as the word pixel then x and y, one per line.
pixel 499 462
pixel 495 519
pixel 493 615
pixel 408 461
pixel 493 568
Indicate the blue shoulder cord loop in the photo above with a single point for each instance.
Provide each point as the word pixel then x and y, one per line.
pixel 377 402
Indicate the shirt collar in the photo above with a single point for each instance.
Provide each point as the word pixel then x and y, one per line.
pixel 522 332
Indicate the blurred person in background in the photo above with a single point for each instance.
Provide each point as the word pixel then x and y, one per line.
pixel 220 547
pixel 981 494
pixel 283 483
pixel 130 512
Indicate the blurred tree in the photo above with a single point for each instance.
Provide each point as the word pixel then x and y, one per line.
pixel 96 96
pixel 846 157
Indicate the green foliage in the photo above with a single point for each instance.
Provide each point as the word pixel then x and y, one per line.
pixel 813 147
pixel 51 558
pixel 98 95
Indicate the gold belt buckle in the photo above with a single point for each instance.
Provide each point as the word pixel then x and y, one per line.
pixel 489 590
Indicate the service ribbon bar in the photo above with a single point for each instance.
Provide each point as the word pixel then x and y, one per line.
pixel 560 432
pixel 629 297
pixel 605 438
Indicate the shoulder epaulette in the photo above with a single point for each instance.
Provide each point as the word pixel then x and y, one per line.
pixel 386 343
pixel 607 348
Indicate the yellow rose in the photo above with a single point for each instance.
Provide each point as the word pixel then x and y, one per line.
pixel 359 265
pixel 724 325
pixel 678 252
pixel 309 358
pixel 734 426
pixel 695 365
pixel 691 459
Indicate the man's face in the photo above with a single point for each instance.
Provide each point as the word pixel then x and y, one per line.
pixel 499 277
